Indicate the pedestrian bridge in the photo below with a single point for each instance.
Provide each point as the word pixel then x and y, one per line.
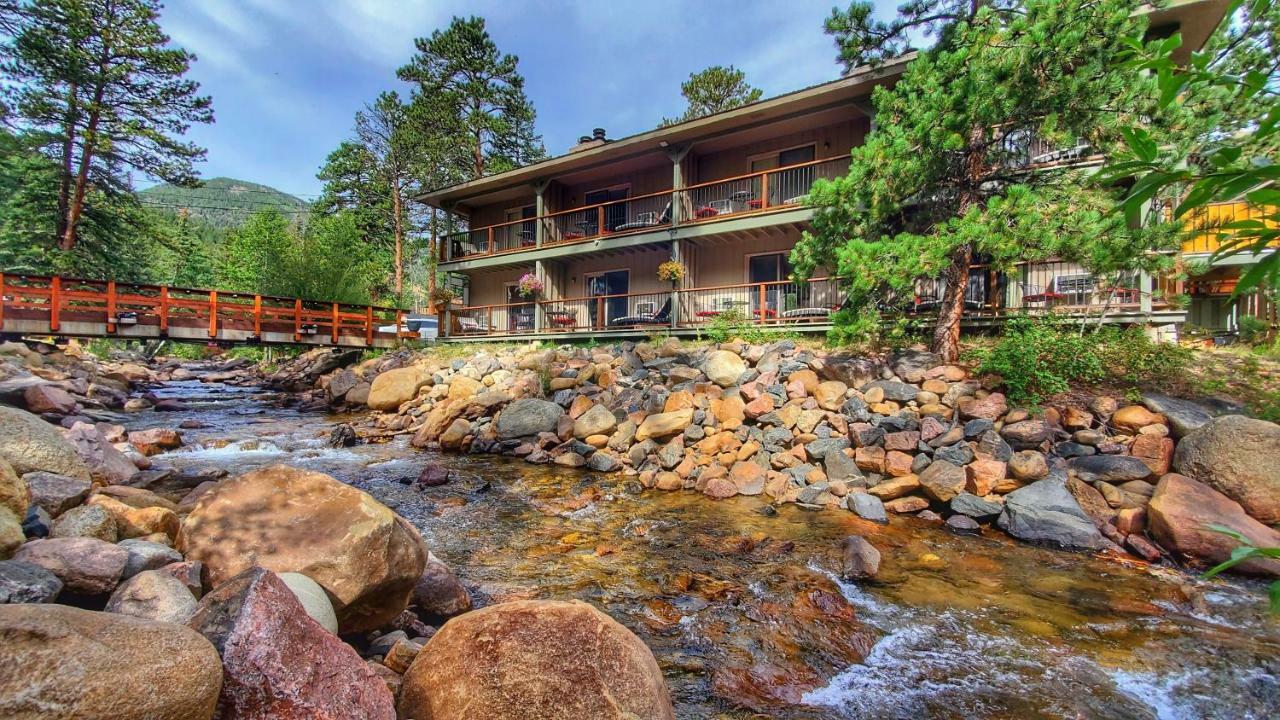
pixel 38 305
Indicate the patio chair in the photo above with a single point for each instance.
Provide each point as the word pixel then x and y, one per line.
pixel 662 317
pixel 647 219
pixel 472 325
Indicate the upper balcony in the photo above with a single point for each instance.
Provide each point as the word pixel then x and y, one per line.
pixel 753 194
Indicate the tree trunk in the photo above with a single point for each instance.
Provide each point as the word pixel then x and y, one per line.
pixel 86 158
pixel 946 333
pixel 398 231
pixel 68 148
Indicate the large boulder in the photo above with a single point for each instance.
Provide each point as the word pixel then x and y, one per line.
pixel 1239 457
pixel 1181 512
pixel 723 367
pixel 1046 512
pixel 528 416
pixel 30 444
pixel 852 370
pixel 313 599
pixel 278 662
pixel 597 420
pixel 63 663
pixel 535 660
pixel 56 493
pixel 661 425
pixel 49 398
pixel 393 388
pixel 23 582
pixel 290 520
pixel 86 566
pixel 1108 468
pixel 15 498
pixel 438 591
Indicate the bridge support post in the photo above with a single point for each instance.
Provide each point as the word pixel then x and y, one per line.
pixel 297 319
pixel 368 325
pixel 334 329
pixel 164 310
pixel 55 301
pixel 257 316
pixel 111 306
pixel 213 313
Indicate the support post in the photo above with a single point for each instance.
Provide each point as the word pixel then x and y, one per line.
pixel 540 272
pixel 55 300
pixel 1144 291
pixel 677 256
pixel 111 306
pixel 677 155
pixel 257 316
pixel 333 330
pixel 164 309
pixel 297 319
pixel 368 325
pixel 540 209
pixel 213 313
pixel 763 307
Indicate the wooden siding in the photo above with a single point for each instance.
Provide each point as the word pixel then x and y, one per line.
pixel 830 140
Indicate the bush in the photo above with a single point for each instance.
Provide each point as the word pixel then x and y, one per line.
pixel 1040 357
pixel 1253 329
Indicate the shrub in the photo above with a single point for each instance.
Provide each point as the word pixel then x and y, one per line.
pixel 1252 328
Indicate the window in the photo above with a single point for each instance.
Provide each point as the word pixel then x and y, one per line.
pixel 615 214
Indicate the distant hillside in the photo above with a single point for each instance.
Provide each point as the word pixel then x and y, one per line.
pixel 223 203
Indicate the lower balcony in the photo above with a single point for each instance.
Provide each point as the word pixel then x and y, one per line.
pixel 1059 288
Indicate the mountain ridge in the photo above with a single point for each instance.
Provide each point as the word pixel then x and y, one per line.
pixel 222 202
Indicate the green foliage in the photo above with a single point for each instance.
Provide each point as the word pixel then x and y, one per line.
pixel 1037 357
pixel 1247 551
pixel 102 91
pixel 219 203
pixel 472 94
pixel 716 89
pixel 939 182
pixel 734 324
pixel 1252 328
pixel 1232 87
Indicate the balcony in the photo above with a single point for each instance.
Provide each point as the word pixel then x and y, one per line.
pixel 752 194
pixel 1056 287
pixel 1205 224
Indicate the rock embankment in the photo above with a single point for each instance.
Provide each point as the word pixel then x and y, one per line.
pixel 875 436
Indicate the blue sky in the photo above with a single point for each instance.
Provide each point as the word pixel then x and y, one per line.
pixel 287 76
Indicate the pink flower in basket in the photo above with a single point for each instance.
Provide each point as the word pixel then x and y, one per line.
pixel 529 285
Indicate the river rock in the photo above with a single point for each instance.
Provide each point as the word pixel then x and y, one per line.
pixel 1132 418
pixel 893 390
pixel 1181 512
pixel 279 663
pixel 528 416
pixel 911 365
pixel 859 558
pixel 867 507
pixel 1046 512
pixel 597 420
pixel 975 507
pixel 1182 416
pixel 723 367
pixel 147 555
pixel 15 499
pixel 56 493
pixel 48 398
pixel 438 592
pixel 852 370
pixel 30 444
pixel 106 464
pixel 942 480
pixel 393 388
pixel 87 521
pixel 661 425
pixel 1108 468
pixel 1239 457
pixel 153 595
pixel 535 660
pixel 1026 434
pixel 962 525
pixel 154 441
pixel 312 598
pixel 290 520
pixel 24 582
pixel 103 666
pixel 87 566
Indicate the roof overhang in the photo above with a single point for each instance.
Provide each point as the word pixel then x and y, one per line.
pixel 853 86
pixel 1195 19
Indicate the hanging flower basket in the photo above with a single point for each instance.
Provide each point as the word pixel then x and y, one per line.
pixel 529 285
pixel 672 271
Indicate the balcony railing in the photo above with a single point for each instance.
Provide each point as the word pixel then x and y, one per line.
pixel 758 192
pixel 1042 287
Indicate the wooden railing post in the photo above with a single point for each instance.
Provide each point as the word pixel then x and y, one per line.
pixel 55 302
pixel 764 309
pixel 334 328
pixel 164 309
pixel 601 321
pixel 257 316
pixel 368 325
pixel 111 306
pixel 492 247
pixel 764 190
pixel 213 313
pixel 600 220
pixel 297 319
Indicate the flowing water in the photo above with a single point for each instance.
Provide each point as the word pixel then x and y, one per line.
pixel 744 608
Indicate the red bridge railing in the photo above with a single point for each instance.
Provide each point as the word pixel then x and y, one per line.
pixel 107 308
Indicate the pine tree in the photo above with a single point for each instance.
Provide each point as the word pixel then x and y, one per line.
pixel 99 82
pixel 716 89
pixel 940 180
pixel 471 92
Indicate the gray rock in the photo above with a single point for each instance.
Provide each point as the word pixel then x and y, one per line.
pixel 1046 512
pixel 867 507
pixel 894 390
pixel 604 462
pixel 976 427
pixel 911 365
pixel 1108 468
pixel 1027 434
pixel 24 582
pixel 528 416
pixel 993 445
pixel 962 525
pixel 958 454
pixel 975 507
pixel 56 493
pixel 840 467
pixel 852 370
pixel 146 555
pixel 1182 416
pixel 819 449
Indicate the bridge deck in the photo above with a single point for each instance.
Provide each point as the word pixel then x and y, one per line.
pixel 33 305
